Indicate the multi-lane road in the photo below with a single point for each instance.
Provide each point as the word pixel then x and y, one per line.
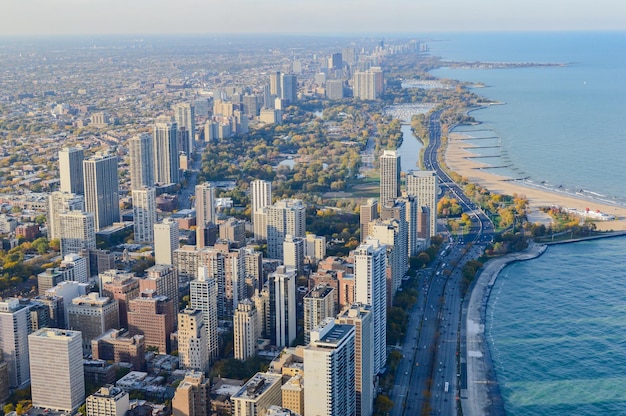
pixel 429 378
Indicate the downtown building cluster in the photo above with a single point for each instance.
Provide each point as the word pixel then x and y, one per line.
pixel 89 311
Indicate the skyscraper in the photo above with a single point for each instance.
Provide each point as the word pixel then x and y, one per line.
pixel 282 288
pixel 203 296
pixel 368 213
pixel 56 354
pixel 144 214
pixel 319 304
pixel 163 280
pixel 360 316
pixel 368 85
pixel 246 330
pixel 193 348
pixel 293 253
pixel 370 264
pixel 71 170
pixel 15 325
pixel 395 234
pixel 102 195
pixel 329 360
pixel 165 147
pixel 154 317
pixel 289 87
pixel 184 114
pixel 389 176
pixel 261 195
pixel 423 184
pixel 141 153
pixel 92 315
pixel 77 231
pixel 205 211
pixel 287 216
pixel 166 240
pixel 58 203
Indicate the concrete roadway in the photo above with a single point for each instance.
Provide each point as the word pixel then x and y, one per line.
pixel 431 345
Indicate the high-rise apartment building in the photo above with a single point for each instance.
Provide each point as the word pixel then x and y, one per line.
pixel 144 214
pixel 368 85
pixel 92 316
pixel 78 231
pixel 154 317
pixel 293 253
pixel 282 288
pixel 275 83
pixel 233 231
pixel 193 348
pixel 58 203
pixel 329 360
pixel 205 211
pixel 368 212
pixel 184 114
pixel 117 346
pixel 289 88
pixel 166 240
pixel 162 279
pixel 257 395
pixel 141 161
pixel 246 330
pixel 15 325
pixel 165 147
pixel 192 396
pixel 293 395
pixel 392 230
pixel 71 170
pixel 108 401
pixel 124 287
pixel 102 195
pixel 261 195
pixel 319 304
pixel 424 185
pixel 315 247
pixel 287 216
pixel 389 176
pixel 56 369
pixel 370 264
pixel 203 296
pixel 360 316
pixel 76 268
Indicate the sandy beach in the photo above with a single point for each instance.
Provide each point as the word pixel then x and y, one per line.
pixel 456 159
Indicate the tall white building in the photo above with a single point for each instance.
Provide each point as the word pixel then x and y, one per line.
pixel 389 176
pixel 370 264
pixel 368 212
pixel 246 330
pixel 315 247
pixel 205 211
pixel 102 195
pixel 289 87
pixel 360 316
pixel 108 401
pixel 423 184
pixel 71 170
pixel 203 296
pixel 184 114
pixel 329 365
pixel 287 216
pixel 166 240
pixel 165 147
pixel 58 203
pixel 257 395
pixel 193 348
pixel 141 161
pixel 261 197
pixel 293 253
pixel 144 214
pixel 282 288
pixel 76 268
pixel 368 85
pixel 15 325
pixel 56 354
pixel 78 231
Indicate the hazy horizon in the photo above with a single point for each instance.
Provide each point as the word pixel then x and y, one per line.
pixel 333 17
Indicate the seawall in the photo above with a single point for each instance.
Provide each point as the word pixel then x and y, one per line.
pixel 479 389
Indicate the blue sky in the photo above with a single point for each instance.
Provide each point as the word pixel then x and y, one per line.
pixel 305 16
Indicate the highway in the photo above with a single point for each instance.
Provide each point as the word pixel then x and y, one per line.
pixel 432 343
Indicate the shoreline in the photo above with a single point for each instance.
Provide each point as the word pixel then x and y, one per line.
pixel 462 161
pixel 479 388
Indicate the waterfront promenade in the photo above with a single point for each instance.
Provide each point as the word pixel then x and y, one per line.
pixel 480 393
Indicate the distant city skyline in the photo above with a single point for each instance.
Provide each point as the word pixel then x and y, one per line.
pixel 63 17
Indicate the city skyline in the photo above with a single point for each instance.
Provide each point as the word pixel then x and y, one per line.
pixel 40 17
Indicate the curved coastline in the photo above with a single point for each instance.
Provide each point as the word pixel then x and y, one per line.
pixel 479 389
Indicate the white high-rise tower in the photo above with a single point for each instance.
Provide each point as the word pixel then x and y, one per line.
pixel 71 170
pixel 141 161
pixel 102 195
pixel 144 214
pixel 389 176
pixel 423 184
pixel 165 147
